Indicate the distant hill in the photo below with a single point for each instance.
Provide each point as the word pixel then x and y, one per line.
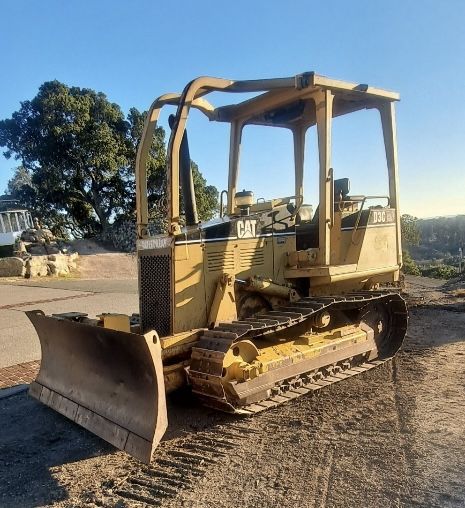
pixel 440 238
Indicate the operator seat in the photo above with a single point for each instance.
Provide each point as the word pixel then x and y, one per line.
pixel 307 232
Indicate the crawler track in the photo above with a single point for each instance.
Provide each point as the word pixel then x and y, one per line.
pixel 295 380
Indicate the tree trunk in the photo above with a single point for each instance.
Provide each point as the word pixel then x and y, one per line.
pixel 101 213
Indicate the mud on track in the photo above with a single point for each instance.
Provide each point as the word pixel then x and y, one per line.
pixel 393 436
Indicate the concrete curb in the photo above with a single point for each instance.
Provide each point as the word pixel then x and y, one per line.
pixel 13 390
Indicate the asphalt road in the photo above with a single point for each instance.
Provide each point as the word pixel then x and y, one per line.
pixel 18 340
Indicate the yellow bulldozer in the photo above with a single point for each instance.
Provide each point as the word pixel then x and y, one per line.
pixel 265 303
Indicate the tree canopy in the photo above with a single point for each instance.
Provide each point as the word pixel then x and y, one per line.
pixel 409 230
pixel 441 238
pixel 77 153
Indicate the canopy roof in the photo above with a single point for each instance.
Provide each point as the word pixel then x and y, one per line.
pixel 290 105
pixel 285 102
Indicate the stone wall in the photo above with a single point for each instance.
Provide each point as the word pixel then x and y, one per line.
pixel 55 265
pixel 12 267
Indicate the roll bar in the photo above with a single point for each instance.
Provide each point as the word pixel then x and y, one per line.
pixel 278 92
pixel 150 125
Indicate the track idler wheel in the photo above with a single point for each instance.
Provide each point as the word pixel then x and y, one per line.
pixel 388 319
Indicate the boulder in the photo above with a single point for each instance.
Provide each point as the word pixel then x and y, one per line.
pixel 60 264
pixel 44 235
pixel 39 236
pixel 12 267
pixel 37 266
pixel 29 235
pixel 58 269
pixel 21 250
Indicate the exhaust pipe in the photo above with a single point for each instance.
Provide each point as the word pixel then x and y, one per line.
pixel 185 175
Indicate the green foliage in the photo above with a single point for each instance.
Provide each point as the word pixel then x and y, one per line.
pixel 441 238
pixel 409 230
pixel 206 195
pixel 409 266
pixel 410 237
pixel 77 152
pixel 73 143
pixel 156 160
pixel 21 178
pixel 440 272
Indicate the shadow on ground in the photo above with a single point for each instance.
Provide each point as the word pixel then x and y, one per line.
pixel 35 442
pixel 447 327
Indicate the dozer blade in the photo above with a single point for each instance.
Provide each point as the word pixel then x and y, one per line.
pixel 108 381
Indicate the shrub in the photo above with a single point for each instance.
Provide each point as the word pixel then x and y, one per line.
pixel 409 266
pixel 440 272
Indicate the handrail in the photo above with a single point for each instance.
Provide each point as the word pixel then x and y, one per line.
pixel 185 103
pixel 223 192
pixel 359 215
pixel 143 149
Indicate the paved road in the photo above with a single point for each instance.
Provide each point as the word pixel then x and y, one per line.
pixel 18 340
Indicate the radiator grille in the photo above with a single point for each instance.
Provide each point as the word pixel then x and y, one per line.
pixel 155 293
pixel 220 261
pixel 252 257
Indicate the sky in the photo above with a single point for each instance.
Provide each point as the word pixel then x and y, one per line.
pixel 134 51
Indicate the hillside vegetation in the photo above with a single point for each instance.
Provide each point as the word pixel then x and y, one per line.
pixel 440 238
pixel 433 247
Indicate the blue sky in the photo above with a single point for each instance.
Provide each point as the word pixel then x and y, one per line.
pixel 135 51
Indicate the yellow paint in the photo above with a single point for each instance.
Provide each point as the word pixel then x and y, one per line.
pixel 118 322
pixel 252 360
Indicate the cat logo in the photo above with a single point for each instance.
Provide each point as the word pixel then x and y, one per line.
pixel 246 228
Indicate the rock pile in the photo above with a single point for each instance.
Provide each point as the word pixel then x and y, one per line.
pixel 42 235
pixel 39 241
pixel 37 254
pixel 55 265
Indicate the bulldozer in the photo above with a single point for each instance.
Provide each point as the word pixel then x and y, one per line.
pixel 265 303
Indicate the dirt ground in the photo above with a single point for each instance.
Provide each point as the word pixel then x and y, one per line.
pixel 97 262
pixel 107 265
pixel 391 437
